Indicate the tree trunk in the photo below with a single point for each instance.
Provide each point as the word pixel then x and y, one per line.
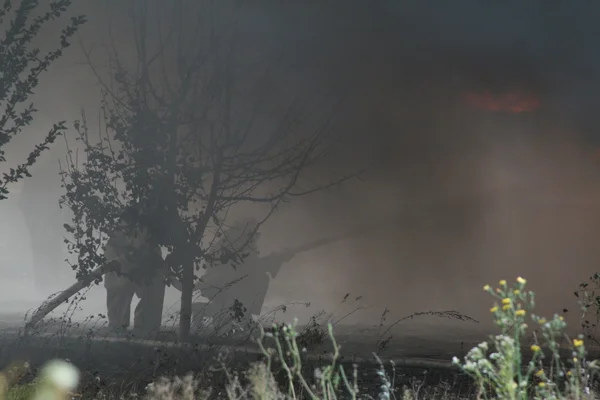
pixel 187 291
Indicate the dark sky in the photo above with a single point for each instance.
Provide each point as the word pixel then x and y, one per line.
pixel 477 195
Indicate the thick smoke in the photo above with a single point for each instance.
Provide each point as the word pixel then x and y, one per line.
pixel 477 196
pixel 463 196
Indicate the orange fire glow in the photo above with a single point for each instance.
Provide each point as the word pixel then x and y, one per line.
pixel 514 102
pixel 596 155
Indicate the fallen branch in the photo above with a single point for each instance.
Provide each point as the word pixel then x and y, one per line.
pixel 50 305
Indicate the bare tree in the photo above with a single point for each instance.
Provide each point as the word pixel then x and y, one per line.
pixel 21 67
pixel 187 130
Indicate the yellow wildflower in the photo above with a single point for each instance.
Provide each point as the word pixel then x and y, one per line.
pixel 575 359
pixel 542 384
pixel 494 309
pixel 542 321
pixel 540 373
pixel 577 343
pixel 506 307
pixel 516 291
pixel 502 282
pixel 506 301
pixel 521 280
pixel 535 348
pixel 520 313
pixel 569 373
pixel 486 288
pixel 561 318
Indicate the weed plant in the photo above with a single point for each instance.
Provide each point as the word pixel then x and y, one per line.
pixel 499 367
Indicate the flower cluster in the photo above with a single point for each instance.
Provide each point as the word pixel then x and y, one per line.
pixel 513 305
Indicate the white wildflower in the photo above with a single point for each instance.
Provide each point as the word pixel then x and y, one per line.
pixel 61 374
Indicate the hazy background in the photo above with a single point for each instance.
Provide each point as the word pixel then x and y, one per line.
pixel 476 195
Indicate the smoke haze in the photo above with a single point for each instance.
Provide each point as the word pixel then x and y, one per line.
pixel 464 196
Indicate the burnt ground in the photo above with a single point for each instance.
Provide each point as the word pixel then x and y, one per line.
pixel 125 363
